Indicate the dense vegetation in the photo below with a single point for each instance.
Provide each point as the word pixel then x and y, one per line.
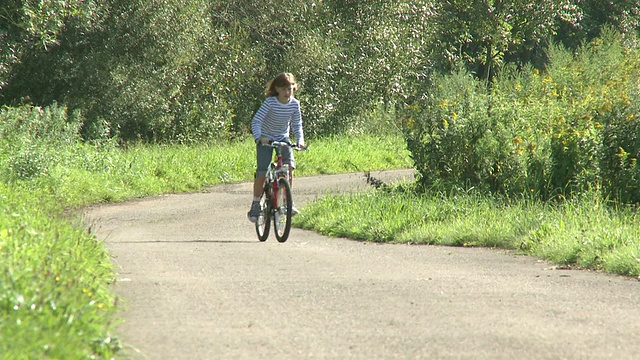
pixel 187 71
pixel 568 130
pixel 513 110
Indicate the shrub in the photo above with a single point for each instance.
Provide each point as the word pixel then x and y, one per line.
pixel 564 131
pixel 31 137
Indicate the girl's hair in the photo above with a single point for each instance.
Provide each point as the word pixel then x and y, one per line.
pixel 283 79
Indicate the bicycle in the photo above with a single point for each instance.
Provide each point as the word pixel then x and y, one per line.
pixel 276 200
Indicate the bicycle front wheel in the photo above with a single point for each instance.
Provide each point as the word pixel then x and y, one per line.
pixel 264 220
pixel 282 214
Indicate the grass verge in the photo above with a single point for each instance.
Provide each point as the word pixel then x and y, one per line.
pixel 583 233
pixel 55 299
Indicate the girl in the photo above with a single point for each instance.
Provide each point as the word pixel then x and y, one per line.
pixel 278 115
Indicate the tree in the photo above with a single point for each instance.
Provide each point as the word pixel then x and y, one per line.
pixel 34 24
pixel 482 33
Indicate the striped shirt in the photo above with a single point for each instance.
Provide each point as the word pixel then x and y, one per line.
pixel 274 120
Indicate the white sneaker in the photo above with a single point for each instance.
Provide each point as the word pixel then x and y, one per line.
pixel 254 213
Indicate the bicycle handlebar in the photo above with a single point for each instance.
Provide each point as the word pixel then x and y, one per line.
pixel 283 144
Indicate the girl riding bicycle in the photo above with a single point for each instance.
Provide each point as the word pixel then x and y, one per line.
pixel 278 115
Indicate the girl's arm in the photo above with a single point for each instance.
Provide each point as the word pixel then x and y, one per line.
pixel 296 126
pixel 256 122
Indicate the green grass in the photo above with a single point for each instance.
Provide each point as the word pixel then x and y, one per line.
pixel 583 233
pixel 55 299
pixel 106 173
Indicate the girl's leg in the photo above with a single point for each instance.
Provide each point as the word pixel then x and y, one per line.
pixel 254 211
pixel 263 158
pixel 287 158
pixel 258 185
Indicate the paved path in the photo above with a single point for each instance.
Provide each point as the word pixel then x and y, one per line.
pixel 196 284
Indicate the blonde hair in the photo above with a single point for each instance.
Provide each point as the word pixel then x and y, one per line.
pixel 281 80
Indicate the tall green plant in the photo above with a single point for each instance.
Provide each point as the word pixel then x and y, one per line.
pixel 562 132
pixel 31 25
pixel 444 131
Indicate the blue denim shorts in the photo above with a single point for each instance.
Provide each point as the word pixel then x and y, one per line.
pixel 264 155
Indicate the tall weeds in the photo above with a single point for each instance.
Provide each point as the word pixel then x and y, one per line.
pixel 567 130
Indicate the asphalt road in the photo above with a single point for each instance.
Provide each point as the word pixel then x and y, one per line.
pixel 196 284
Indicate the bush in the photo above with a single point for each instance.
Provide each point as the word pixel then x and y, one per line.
pixel 564 131
pixel 620 152
pixel 31 137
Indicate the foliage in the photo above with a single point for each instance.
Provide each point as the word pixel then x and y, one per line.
pixel 448 128
pixel 561 132
pixel 620 151
pixel 483 35
pixel 186 71
pixel 622 15
pixel 55 299
pixel 28 133
pixel 35 26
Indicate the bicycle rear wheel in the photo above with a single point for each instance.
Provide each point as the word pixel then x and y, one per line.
pixel 264 220
pixel 282 214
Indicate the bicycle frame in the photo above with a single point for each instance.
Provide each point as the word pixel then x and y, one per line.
pixel 276 199
pixel 277 170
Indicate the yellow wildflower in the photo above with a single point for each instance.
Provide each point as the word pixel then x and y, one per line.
pixel 410 122
pixel 605 107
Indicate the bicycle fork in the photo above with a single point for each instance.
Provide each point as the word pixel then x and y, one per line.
pixel 281 173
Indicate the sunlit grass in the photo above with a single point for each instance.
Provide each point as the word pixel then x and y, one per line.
pixel 347 154
pixel 101 174
pixel 583 233
pixel 588 234
pixel 55 300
